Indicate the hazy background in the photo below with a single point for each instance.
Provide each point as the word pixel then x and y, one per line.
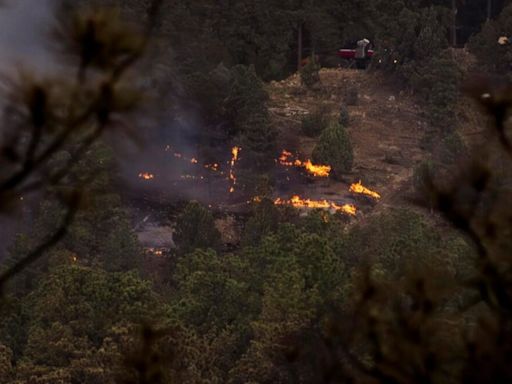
pixel 24 30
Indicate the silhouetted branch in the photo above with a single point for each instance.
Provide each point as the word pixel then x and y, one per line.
pixel 72 208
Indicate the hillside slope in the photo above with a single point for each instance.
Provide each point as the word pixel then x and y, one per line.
pixel 386 126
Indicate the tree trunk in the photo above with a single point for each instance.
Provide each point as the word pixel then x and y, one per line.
pixel 489 10
pixel 454 23
pixel 299 47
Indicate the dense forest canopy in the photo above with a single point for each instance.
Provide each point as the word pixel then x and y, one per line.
pixel 209 192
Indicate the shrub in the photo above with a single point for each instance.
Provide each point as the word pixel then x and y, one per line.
pixel 209 91
pixel 344 117
pixel 246 98
pixel 247 112
pixel 334 148
pixel 310 73
pixel 351 96
pixel 452 148
pixel 195 228
pixel 265 220
pixel 420 177
pixel 314 123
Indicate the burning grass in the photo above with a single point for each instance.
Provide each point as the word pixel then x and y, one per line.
pixel 286 160
pixel 359 188
pixel 298 202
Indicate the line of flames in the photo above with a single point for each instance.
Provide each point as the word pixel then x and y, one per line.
pixel 361 189
pixel 297 202
pixel 314 169
pixel 234 158
pixel 284 159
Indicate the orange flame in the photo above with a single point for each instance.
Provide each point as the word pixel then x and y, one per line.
pixel 361 189
pixel 297 202
pixel 213 167
pixel 234 152
pixel 315 170
pixel 146 176
pixel 234 158
pixel 155 251
pixel 283 159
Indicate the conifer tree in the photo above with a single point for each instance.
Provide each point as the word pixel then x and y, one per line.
pixel 334 149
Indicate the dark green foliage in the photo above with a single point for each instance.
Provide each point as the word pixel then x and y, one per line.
pixel 213 292
pixel 413 46
pixel 334 149
pixel 236 99
pixel 246 32
pixel 314 123
pixel 71 319
pixel 411 35
pixel 305 274
pixel 247 97
pixel 5 363
pixel 209 91
pixel 492 56
pixel 258 141
pixel 420 176
pixel 264 221
pixel 438 81
pixel 431 38
pixel 246 106
pixel 101 234
pixel 403 242
pixel 310 73
pixel 452 149
pixel 195 228
pixel 303 299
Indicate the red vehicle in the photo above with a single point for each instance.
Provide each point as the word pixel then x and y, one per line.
pixel 350 54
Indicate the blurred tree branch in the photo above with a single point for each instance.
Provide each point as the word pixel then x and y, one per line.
pixel 413 331
pixel 46 117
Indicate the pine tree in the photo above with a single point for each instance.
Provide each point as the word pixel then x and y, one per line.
pixel 195 228
pixel 334 149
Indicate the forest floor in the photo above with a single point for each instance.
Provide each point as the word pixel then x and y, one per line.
pixel 386 128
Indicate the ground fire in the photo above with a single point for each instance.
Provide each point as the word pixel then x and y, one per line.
pixel 361 189
pixel 146 175
pixel 316 170
pixel 212 167
pixel 297 202
pixel 234 158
